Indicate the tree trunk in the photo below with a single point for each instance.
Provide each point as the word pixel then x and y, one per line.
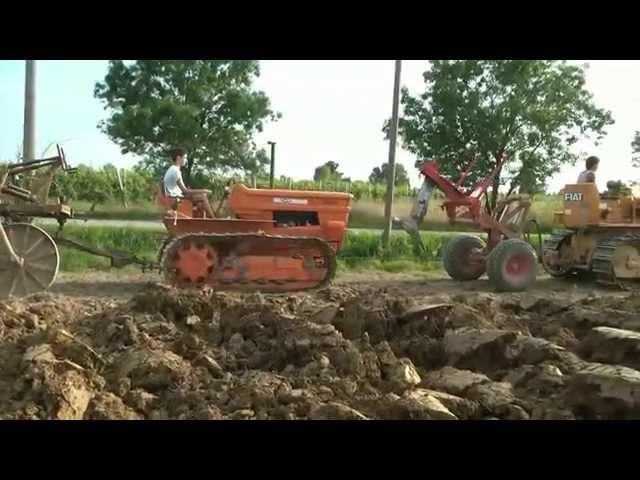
pixel 187 173
pixel 493 198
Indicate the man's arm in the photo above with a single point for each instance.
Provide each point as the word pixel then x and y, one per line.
pixel 181 184
pixel 591 177
pixel 186 191
pixel 190 191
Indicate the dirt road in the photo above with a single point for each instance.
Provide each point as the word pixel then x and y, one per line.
pixel 125 284
pixel 147 224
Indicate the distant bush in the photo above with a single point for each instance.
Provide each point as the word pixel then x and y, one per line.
pixel 101 186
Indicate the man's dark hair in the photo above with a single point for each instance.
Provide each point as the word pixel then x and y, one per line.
pixel 592 162
pixel 177 152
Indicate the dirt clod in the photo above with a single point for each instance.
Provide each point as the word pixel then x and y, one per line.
pixel 344 352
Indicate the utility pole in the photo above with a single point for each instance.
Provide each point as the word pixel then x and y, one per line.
pixel 391 176
pixel 29 135
pixel 273 164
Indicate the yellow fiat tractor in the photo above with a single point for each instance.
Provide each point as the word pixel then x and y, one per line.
pixel 601 234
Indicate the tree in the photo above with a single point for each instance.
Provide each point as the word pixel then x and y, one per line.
pixel 327 172
pixel 532 111
pixel 205 106
pixel 635 149
pixel 379 174
pixel 89 185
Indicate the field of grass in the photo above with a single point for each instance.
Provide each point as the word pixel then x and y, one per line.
pixel 141 242
pixel 370 214
pixel 361 250
pixel 116 211
pixel 366 213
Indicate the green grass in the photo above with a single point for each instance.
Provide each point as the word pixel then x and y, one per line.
pixel 116 211
pixel 139 241
pixel 370 214
pixel 364 246
pixel 542 211
pixel 361 250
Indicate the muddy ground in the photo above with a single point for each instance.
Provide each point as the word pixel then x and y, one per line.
pixel 122 284
pixel 104 346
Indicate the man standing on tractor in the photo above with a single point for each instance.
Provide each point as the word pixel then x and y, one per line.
pixel 174 186
pixel 589 175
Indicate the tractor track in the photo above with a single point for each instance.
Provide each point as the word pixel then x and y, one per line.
pixel 603 261
pixel 230 244
pixel 553 244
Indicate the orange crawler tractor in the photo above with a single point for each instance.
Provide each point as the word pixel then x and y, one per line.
pixel 274 240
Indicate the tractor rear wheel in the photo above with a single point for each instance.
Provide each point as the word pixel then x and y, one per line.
pixel 456 257
pixel 511 266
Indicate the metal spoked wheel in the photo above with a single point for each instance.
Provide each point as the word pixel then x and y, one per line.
pixel 189 263
pixel 40 265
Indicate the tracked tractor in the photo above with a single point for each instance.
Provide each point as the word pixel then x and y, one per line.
pixel 509 261
pixel 599 234
pixel 272 240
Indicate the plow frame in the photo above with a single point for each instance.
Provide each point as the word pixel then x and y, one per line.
pixel 20 204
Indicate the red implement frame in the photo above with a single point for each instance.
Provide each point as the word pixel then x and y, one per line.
pixel 455 196
pixel 461 206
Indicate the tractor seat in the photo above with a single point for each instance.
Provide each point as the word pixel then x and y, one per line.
pixel 183 206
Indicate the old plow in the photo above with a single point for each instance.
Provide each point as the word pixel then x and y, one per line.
pixel 29 255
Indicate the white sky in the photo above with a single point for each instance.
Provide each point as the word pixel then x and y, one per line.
pixel 332 110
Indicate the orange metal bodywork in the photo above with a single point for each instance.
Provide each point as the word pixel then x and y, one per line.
pixel 584 207
pixel 255 211
pixel 303 231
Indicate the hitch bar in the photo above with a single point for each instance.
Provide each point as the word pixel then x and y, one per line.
pixel 118 258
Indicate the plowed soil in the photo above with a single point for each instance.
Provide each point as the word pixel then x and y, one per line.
pixel 386 347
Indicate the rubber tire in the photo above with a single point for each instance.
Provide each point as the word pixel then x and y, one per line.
pixel 454 257
pixel 497 261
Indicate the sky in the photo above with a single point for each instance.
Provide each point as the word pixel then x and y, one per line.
pixel 331 110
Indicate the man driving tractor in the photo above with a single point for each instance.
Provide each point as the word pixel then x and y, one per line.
pixel 589 175
pixel 614 188
pixel 174 186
